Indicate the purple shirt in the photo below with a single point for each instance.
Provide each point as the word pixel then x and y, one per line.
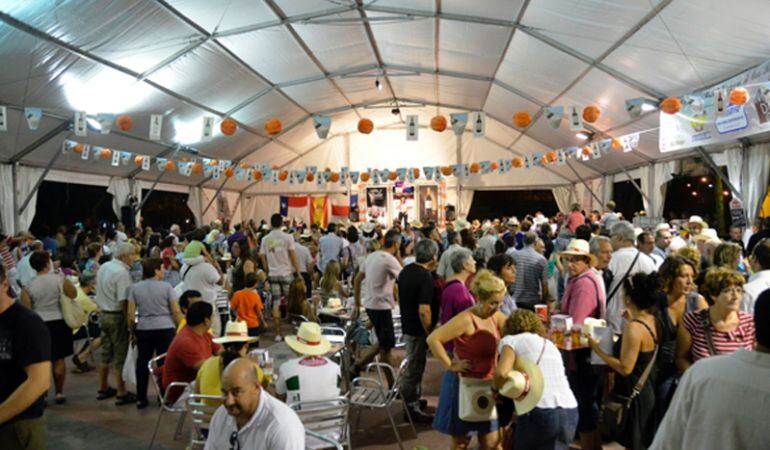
pixel 455 299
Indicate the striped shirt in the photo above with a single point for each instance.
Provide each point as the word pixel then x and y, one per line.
pixel 531 272
pixel 724 342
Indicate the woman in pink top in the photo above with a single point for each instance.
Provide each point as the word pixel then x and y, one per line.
pixel 575 218
pixel 476 334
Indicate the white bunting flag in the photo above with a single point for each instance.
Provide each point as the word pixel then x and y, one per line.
pixel 125 158
pixel 156 126
pixel 527 161
pixel 575 121
pixel 312 169
pixel 208 129
pixel 319 179
pixel 634 107
pixel 161 164
pixel 479 124
pixel 105 122
pixel 605 146
pixel 216 173
pixel 401 174
pixel 3 118
pixel 115 158
pixel 146 161
pixel 437 173
pixel 354 176
pixel 322 125
pixel 428 171
pixel 596 152
pixel 458 122
pixel 185 168
pixel 86 152
pixel 485 167
pixel 410 175
pixel 33 116
pixel 81 126
pixel 500 166
pixel 65 147
pixel 412 127
pixel 561 157
pixel 554 116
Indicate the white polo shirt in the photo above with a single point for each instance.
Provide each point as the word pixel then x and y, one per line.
pixel 309 378
pixel 757 284
pixel 274 426
pixel 113 281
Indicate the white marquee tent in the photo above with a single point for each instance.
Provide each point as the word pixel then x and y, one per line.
pixel 291 59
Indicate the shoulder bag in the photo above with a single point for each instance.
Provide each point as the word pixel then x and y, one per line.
pixel 74 316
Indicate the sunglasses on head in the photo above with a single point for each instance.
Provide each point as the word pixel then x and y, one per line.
pixel 234 443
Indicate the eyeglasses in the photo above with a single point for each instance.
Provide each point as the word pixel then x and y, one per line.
pixel 732 290
pixel 234 443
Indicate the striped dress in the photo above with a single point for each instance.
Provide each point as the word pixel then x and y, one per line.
pixel 724 342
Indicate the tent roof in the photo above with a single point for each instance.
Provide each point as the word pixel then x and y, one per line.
pixel 294 58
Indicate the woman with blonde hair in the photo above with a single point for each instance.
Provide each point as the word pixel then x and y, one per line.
pixel 476 334
pixel 330 285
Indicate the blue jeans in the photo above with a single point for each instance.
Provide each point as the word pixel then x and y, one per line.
pixel 546 429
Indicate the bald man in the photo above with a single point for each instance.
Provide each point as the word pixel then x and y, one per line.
pixel 250 417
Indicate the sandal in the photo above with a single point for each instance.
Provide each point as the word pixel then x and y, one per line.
pixel 127 399
pixel 60 399
pixel 80 366
pixel 106 393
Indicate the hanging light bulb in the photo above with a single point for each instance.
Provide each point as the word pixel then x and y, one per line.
pixel 377 84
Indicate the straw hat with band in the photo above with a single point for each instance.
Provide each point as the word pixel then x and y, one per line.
pixel 695 219
pixel 462 224
pixel 525 383
pixel 236 332
pixel 579 247
pixel 309 340
pixel 707 234
pixel 367 227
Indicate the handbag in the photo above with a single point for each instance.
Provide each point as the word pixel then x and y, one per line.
pixel 477 403
pixel 615 408
pixel 74 316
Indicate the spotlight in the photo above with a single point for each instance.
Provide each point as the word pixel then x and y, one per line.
pixel 694 193
pixel 584 135
pixel 395 111
pixel 726 193
pixel 377 84
pixel 649 106
pixel 711 185
pixel 704 180
pixel 689 184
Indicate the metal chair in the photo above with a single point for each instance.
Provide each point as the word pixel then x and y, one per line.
pixel 370 393
pixel 153 366
pixel 327 420
pixel 398 332
pixel 335 335
pixel 202 409
pixel 322 438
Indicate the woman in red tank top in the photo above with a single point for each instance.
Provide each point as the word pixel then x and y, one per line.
pixel 476 334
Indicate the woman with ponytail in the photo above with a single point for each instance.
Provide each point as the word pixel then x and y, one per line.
pixel 638 349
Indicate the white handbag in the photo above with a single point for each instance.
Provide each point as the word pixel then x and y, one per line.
pixel 477 403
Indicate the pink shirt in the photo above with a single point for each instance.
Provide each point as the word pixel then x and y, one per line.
pixel 381 270
pixel 575 219
pixel 584 297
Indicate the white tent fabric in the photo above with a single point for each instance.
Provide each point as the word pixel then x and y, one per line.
pixel 565 197
pixel 294 59
pixel 755 186
pixel 25 183
pixel 121 190
pixel 194 202
pixel 7 213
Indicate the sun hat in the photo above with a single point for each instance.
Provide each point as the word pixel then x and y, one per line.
pixel 579 247
pixel 309 340
pixel 367 227
pixel 524 385
pixel 462 224
pixel 415 223
pixel 707 234
pixel 695 219
pixel 235 332
pixel 334 303
pixel 193 249
pixel 663 226
pixel 306 234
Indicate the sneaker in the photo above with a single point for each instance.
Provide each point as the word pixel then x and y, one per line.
pixel 80 366
pixel 106 393
pixel 126 399
pixel 418 416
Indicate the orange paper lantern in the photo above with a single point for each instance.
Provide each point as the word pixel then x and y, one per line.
pixel 671 105
pixel 244 165
pixel 494 166
pixel 586 151
pixel 392 176
pixel 310 177
pixel 138 160
pixel 517 162
pixel 544 160
pixel 591 113
pixel 551 156
pixel 438 123
pixel 416 173
pixel 334 177
pixel 228 126
pixel 365 126
pixel 229 172
pixel 446 171
pixel 106 153
pixel 124 122
pixel 170 165
pixel 197 168
pixel 475 167
pixel 522 119
pixel 273 126
pixel 365 177
pixel 213 162
pixel 616 144
pixel 79 148
pixel 256 175
pixel 739 96
pixel 283 175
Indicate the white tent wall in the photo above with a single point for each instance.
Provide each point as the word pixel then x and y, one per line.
pixel 7 201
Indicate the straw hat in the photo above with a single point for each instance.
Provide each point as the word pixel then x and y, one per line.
pixel 334 304
pixel 695 219
pixel 524 385
pixel 579 247
pixel 235 332
pixel 309 340
pixel 367 227
pixel 663 226
pixel 306 234
pixel 707 234
pixel 462 224
pixel 415 223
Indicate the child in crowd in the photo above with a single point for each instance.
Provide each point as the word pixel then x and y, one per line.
pixel 247 304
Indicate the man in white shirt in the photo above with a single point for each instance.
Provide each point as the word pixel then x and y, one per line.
pixel 120 233
pixel 625 260
pixel 312 376
pixel 662 240
pixel 280 262
pixel 444 269
pixel 646 244
pixel 250 418
pixel 487 243
pixel 760 280
pixel 25 271
pixel 720 401
pixel 201 273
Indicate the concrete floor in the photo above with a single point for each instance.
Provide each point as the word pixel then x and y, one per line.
pixel 85 423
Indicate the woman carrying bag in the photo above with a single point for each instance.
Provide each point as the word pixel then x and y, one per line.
pixel 630 409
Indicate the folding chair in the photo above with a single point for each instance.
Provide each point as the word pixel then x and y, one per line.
pixel 398 332
pixel 327 420
pixel 202 409
pixel 153 366
pixel 370 393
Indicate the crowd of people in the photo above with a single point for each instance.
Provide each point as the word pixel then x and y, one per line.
pixel 686 314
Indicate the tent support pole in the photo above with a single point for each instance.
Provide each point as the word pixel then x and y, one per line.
pixel 214 198
pixel 39 181
pixel 707 158
pixel 43 139
pixel 588 188
pixel 458 160
pixel 152 189
pixel 15 178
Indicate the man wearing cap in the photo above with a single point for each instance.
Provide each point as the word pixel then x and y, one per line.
pixel 311 376
pixel 250 418
pixel 721 401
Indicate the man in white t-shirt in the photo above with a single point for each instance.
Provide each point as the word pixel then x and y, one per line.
pixel 626 259
pixel 312 376
pixel 250 418
pixel 280 262
pixel 305 260
pixel 760 280
pixel 201 273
